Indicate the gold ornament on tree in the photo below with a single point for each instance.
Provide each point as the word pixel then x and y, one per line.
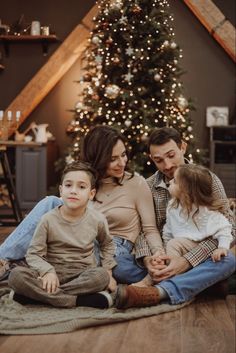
pixel 182 102
pixel 112 91
pixel 157 77
pixel 136 9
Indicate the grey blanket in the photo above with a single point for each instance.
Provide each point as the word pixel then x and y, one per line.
pixel 41 319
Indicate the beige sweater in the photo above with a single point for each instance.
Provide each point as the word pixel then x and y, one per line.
pixel 129 209
pixel 62 246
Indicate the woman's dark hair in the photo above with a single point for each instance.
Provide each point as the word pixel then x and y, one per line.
pixel 97 147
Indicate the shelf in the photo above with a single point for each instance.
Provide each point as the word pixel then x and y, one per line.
pixel 25 38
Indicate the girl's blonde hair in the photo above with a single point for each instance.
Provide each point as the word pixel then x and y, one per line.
pixel 195 188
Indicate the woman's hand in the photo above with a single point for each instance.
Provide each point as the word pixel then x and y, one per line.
pixel 154 263
pixel 50 282
pixel 218 253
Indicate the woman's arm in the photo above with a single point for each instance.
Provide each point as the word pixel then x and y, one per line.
pixel 145 208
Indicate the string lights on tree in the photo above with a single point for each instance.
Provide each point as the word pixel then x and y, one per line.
pixel 132 77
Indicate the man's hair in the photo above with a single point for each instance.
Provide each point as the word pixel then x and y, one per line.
pixel 84 167
pixel 163 135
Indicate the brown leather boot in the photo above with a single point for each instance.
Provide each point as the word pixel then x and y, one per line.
pixel 131 296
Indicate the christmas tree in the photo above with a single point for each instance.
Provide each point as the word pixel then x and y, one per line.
pixel 132 77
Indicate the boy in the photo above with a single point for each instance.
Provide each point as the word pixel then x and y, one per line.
pixel 63 270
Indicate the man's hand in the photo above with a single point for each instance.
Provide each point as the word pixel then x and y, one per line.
pixel 50 282
pixel 176 266
pixel 218 253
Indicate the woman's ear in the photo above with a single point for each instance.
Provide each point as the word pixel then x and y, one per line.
pixel 60 189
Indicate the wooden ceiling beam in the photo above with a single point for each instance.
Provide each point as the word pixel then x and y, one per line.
pixel 216 24
pixel 54 69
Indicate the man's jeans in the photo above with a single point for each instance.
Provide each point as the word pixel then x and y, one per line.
pixel 180 288
pixel 186 286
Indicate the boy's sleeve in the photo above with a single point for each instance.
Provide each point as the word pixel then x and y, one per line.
pixel 37 251
pixel 106 245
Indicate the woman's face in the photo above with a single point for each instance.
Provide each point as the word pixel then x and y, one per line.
pixel 116 167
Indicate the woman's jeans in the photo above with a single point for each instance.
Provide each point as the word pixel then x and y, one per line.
pixel 180 288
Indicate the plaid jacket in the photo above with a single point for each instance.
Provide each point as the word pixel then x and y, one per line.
pixel 161 197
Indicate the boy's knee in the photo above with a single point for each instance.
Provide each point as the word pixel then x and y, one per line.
pixel 15 277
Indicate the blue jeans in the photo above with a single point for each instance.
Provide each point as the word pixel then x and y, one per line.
pixel 186 286
pixel 127 270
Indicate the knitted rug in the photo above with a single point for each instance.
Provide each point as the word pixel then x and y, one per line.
pixel 17 319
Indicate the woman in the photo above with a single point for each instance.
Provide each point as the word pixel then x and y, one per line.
pixel 123 197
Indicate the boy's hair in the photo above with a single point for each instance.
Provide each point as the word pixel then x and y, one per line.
pixel 84 167
pixel 162 135
pixel 195 184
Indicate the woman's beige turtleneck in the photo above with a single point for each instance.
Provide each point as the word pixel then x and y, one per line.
pixel 129 209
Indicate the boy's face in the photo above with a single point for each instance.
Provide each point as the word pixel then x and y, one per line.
pixel 168 157
pixel 76 189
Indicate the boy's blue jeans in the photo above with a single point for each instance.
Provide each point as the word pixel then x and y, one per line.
pixel 180 288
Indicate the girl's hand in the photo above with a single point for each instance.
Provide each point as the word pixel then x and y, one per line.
pixel 50 282
pixel 218 253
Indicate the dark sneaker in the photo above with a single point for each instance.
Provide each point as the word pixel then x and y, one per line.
pixel 101 300
pixel 132 296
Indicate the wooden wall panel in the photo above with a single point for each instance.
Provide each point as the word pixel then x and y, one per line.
pixel 216 24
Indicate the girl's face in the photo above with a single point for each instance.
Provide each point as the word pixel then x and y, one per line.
pixel 174 188
pixel 116 167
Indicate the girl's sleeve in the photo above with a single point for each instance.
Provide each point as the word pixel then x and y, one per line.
pixel 220 228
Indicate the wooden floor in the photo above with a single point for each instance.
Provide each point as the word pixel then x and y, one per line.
pixel 207 325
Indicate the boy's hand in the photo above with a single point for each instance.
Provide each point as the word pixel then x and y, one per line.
pixel 218 253
pixel 112 283
pixel 50 282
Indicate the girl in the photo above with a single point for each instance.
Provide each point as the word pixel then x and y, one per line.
pixel 192 215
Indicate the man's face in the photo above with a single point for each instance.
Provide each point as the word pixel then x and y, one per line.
pixel 168 157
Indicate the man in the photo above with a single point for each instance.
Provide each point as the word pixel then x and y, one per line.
pixel 195 269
